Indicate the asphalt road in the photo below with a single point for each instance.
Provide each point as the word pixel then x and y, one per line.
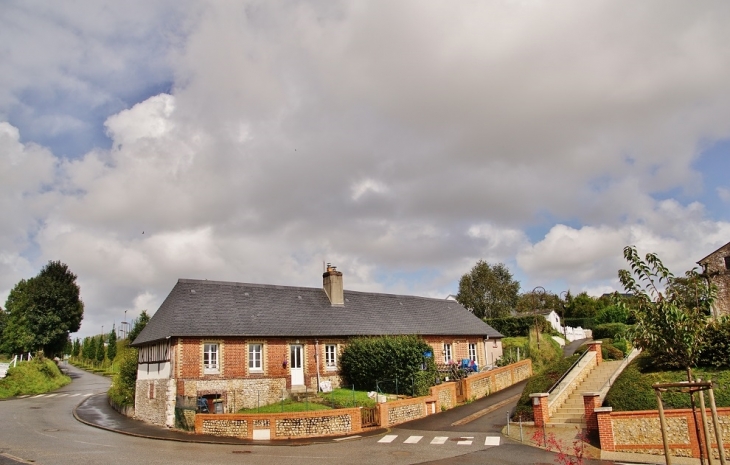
pixel 43 430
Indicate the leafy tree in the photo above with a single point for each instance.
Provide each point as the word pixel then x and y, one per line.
pixel 669 325
pixel 43 310
pixel 100 350
pixel 90 349
pixel 111 350
pixel 581 306
pixel 3 318
pixel 488 290
pixel 537 301
pixel 76 348
pixel 138 326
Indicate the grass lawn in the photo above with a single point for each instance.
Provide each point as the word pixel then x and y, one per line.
pixel 287 406
pixel 345 398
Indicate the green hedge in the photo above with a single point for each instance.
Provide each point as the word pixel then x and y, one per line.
pixel 585 323
pixel 371 362
pixel 716 348
pixel 37 376
pixel 518 326
pixel 610 331
pixel 632 389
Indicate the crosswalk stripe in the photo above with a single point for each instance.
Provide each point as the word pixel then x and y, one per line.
pixel 388 438
pixel 413 440
pixel 62 395
pixel 39 395
pixel 466 441
pixel 51 395
pixel 86 395
pixel 74 395
pixel 491 441
pixel 438 440
pixel 23 397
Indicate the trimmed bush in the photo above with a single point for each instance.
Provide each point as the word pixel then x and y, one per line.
pixel 37 376
pixel 371 362
pixel 610 331
pixel 716 348
pixel 585 323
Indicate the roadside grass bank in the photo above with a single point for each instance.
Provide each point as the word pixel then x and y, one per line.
pixel 37 376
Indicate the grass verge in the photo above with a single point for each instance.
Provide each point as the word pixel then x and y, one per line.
pixel 37 376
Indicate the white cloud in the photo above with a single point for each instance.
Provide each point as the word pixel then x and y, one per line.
pixel 296 134
pixel 724 194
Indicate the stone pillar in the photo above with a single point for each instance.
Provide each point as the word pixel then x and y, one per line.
pixel 591 402
pixel 605 428
pixel 540 408
pixel 595 346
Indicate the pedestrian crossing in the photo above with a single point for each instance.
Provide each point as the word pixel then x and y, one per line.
pixel 56 395
pixel 440 440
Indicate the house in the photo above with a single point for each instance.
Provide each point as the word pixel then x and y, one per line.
pixel 716 267
pixel 244 345
pixel 570 333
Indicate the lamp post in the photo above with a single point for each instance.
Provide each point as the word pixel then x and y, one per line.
pixel 536 310
pixel 563 301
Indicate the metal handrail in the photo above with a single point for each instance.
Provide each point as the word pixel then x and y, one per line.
pixel 609 382
pixel 567 372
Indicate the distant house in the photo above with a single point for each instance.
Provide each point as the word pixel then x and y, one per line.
pixel 717 267
pixel 244 344
pixel 570 333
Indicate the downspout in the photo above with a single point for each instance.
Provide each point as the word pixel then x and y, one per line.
pixel 316 359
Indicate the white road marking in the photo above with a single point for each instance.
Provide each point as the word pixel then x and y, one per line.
pixel 388 438
pixel 348 437
pixel 491 441
pixel 39 395
pixel 51 395
pixel 413 440
pixel 466 441
pixel 62 395
pixel 74 395
pixel 438 440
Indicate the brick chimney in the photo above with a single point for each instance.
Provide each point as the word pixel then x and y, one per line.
pixel 333 286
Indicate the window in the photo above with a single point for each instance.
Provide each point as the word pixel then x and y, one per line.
pixel 727 262
pixel 472 352
pixel 255 357
pixel 447 353
pixel 210 358
pixel 330 356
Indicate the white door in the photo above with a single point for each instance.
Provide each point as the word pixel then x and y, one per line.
pixel 297 368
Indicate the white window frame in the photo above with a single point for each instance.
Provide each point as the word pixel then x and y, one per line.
pixel 448 357
pixel 211 358
pixel 330 357
pixel 256 357
pixel 473 351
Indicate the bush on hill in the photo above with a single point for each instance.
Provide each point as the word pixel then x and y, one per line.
pixel 37 376
pixel 541 383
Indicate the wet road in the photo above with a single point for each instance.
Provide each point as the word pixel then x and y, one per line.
pixel 43 430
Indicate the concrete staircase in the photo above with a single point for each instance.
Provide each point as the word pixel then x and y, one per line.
pixel 572 410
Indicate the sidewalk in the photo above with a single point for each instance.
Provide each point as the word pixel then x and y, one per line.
pixel 95 411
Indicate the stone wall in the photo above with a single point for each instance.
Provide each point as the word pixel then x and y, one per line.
pixel 238 393
pixel 401 411
pixel 151 401
pixel 445 396
pixel 482 384
pixel 640 432
pixel 719 273
pixel 281 425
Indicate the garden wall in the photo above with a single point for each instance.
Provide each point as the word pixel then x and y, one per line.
pixel 482 384
pixel 640 431
pixel 292 425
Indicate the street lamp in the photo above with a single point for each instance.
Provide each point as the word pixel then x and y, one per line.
pixel 563 301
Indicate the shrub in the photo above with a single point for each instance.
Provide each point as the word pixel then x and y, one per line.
pixel 367 361
pixel 716 348
pixel 124 383
pixel 585 323
pixel 622 345
pixel 34 377
pixel 610 331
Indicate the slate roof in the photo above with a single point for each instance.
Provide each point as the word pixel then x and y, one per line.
pixel 218 309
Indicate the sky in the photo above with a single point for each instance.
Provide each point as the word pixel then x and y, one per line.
pixel 253 141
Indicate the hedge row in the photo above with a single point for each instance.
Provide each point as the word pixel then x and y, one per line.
pixel 541 383
pixel 518 326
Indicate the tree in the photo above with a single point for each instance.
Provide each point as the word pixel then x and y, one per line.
pixel 670 326
pixel 581 306
pixel 3 319
pixel 537 301
pixel 111 350
pixel 138 326
pixel 90 348
pixel 100 350
pixel 76 348
pixel 43 310
pixel 488 290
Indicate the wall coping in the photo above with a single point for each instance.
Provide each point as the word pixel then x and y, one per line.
pixel 539 394
pixel 277 416
pixel 591 394
pixel 603 409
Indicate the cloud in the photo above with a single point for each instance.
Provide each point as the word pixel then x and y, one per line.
pixel 724 194
pixel 401 142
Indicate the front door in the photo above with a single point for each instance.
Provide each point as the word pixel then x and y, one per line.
pixel 297 368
